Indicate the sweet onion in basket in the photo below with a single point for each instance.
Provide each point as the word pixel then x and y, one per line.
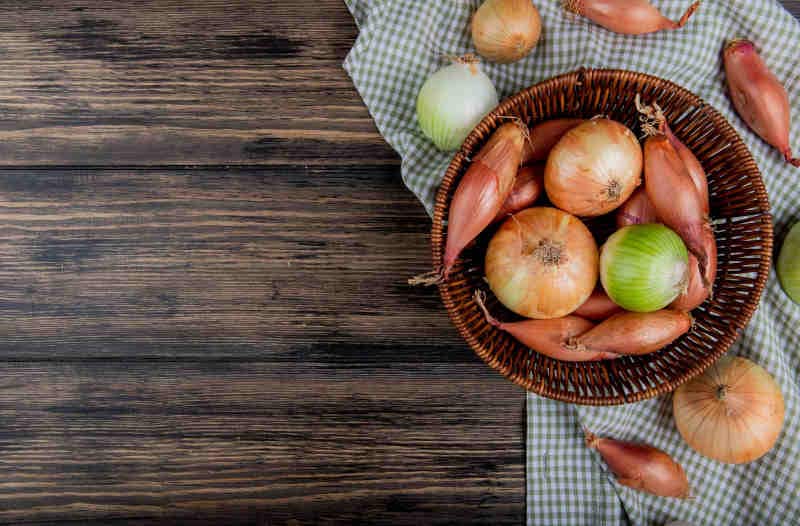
pixel 453 101
pixel 643 268
pixel 594 168
pixel 542 263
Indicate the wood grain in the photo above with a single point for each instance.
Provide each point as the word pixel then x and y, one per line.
pixel 174 82
pixel 238 347
pixel 164 443
pixel 307 264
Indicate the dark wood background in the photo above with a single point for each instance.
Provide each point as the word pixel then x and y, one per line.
pixel 203 256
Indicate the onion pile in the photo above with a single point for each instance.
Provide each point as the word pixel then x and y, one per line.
pixel 542 263
pixel 634 295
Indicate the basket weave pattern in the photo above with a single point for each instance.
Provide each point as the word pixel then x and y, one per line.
pixel 743 229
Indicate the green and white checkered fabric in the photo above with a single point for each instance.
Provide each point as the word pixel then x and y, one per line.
pixel 402 41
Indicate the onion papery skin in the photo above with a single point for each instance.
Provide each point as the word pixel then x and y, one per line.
pixel 643 268
pixel 504 31
pixel 693 167
pixel 542 263
pixel 637 210
pixel 545 135
pixel 758 96
pixel 731 413
pixel 598 307
pixel 642 466
pixel 482 191
pixel 632 333
pixel 594 168
pixel 453 101
pixel 696 289
pixel 627 17
pixel 788 267
pixel 528 186
pixel 675 197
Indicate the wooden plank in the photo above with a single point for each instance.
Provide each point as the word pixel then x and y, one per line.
pixel 174 82
pixel 300 262
pixel 259 444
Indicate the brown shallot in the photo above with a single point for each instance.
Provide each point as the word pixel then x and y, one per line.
pixel 483 189
pixel 698 287
pixel 653 123
pixel 629 17
pixel 528 186
pixel 598 307
pixel 545 336
pixel 544 136
pixel 632 333
pixel 637 210
pixel 641 467
pixel 675 197
pixel 758 96
pixel 693 166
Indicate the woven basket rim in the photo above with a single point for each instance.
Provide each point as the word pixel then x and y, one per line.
pixel 576 80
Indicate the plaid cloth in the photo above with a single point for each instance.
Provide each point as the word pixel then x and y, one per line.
pixel 401 42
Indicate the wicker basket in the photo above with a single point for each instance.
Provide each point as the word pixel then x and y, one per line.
pixel 743 230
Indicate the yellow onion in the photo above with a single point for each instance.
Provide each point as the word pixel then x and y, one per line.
pixel 506 30
pixel 732 413
pixel 594 168
pixel 542 263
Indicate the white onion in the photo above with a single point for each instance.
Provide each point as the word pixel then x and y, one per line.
pixel 453 101
pixel 643 268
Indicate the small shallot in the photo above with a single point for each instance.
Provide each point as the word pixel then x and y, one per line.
pixel 637 210
pixel 693 166
pixel 758 95
pixel 654 122
pixel 483 189
pixel 629 17
pixel 675 197
pixel 632 333
pixel 598 307
pixel 528 186
pixel 696 288
pixel 641 467
pixel 545 336
pixel 544 136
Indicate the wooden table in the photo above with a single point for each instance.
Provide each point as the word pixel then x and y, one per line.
pixel 204 316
